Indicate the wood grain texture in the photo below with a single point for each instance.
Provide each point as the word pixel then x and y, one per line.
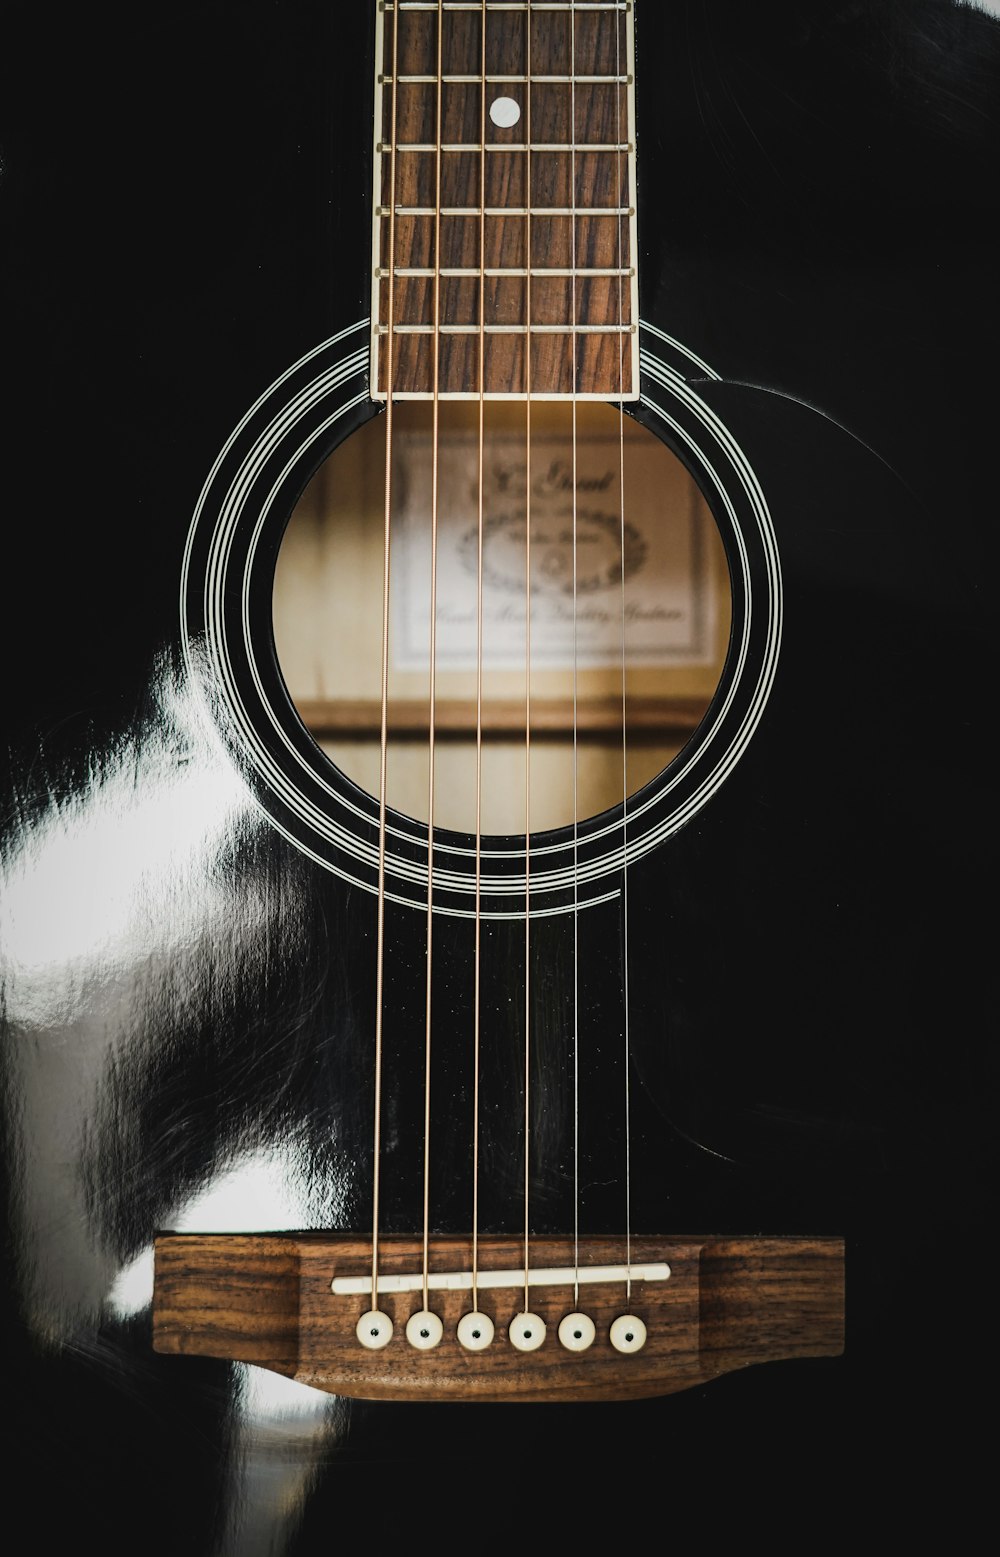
pixel 240 1293
pixel 575 201
pixel 650 719
pixel 729 1303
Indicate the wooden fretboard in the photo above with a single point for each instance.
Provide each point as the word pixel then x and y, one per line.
pixel 511 246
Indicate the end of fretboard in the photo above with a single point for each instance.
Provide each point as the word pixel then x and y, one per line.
pixel 505 228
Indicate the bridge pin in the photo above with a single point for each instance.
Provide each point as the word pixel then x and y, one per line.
pixel 577 1332
pixel 475 1331
pixel 424 1330
pixel 628 1334
pixel 374 1330
pixel 527 1332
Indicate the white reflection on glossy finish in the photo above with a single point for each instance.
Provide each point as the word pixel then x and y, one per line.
pixel 268 1188
pixel 120 871
pixel 128 932
pixel 281 1435
pixel 275 1187
pixel 133 922
pixel 132 1289
pixel 107 889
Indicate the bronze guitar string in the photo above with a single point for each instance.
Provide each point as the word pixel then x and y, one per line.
pixel 477 992
pixel 621 498
pixel 527 665
pixel 435 495
pixel 576 687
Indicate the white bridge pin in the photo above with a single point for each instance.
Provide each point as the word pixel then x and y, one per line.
pixel 628 1334
pixel 475 1332
pixel 374 1330
pixel 526 1332
pixel 424 1330
pixel 577 1332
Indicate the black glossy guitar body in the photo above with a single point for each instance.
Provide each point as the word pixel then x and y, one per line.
pixel 187 1003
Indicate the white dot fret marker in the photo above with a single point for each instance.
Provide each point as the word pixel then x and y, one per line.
pixel 504 112
pixel 424 1330
pixel 628 1334
pixel 527 1332
pixel 374 1330
pixel 475 1332
pixel 576 1332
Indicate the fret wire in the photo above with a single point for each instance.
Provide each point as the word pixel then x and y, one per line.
pixel 506 80
pixel 509 210
pixel 473 146
pixel 509 5
pixel 513 395
pixel 427 272
pixel 510 329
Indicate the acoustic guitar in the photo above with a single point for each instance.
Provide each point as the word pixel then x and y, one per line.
pixel 470 925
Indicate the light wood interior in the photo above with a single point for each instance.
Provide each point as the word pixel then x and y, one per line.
pixel 328 606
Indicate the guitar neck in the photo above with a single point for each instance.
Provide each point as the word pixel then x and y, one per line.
pixel 504 228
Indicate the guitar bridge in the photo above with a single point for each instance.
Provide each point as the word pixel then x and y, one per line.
pixel 662 1316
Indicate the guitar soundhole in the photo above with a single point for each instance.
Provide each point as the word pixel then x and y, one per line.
pixel 673 611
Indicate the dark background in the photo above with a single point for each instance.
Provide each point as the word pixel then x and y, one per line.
pixel 185 212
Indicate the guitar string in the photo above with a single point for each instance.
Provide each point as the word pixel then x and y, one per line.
pixel 477 993
pixel 383 743
pixel 435 474
pixel 527 661
pixel 576 688
pixel 619 22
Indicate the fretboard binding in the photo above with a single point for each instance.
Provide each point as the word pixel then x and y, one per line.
pixel 428 271
pixel 506 210
pixel 508 329
pixel 536 146
pixel 507 80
